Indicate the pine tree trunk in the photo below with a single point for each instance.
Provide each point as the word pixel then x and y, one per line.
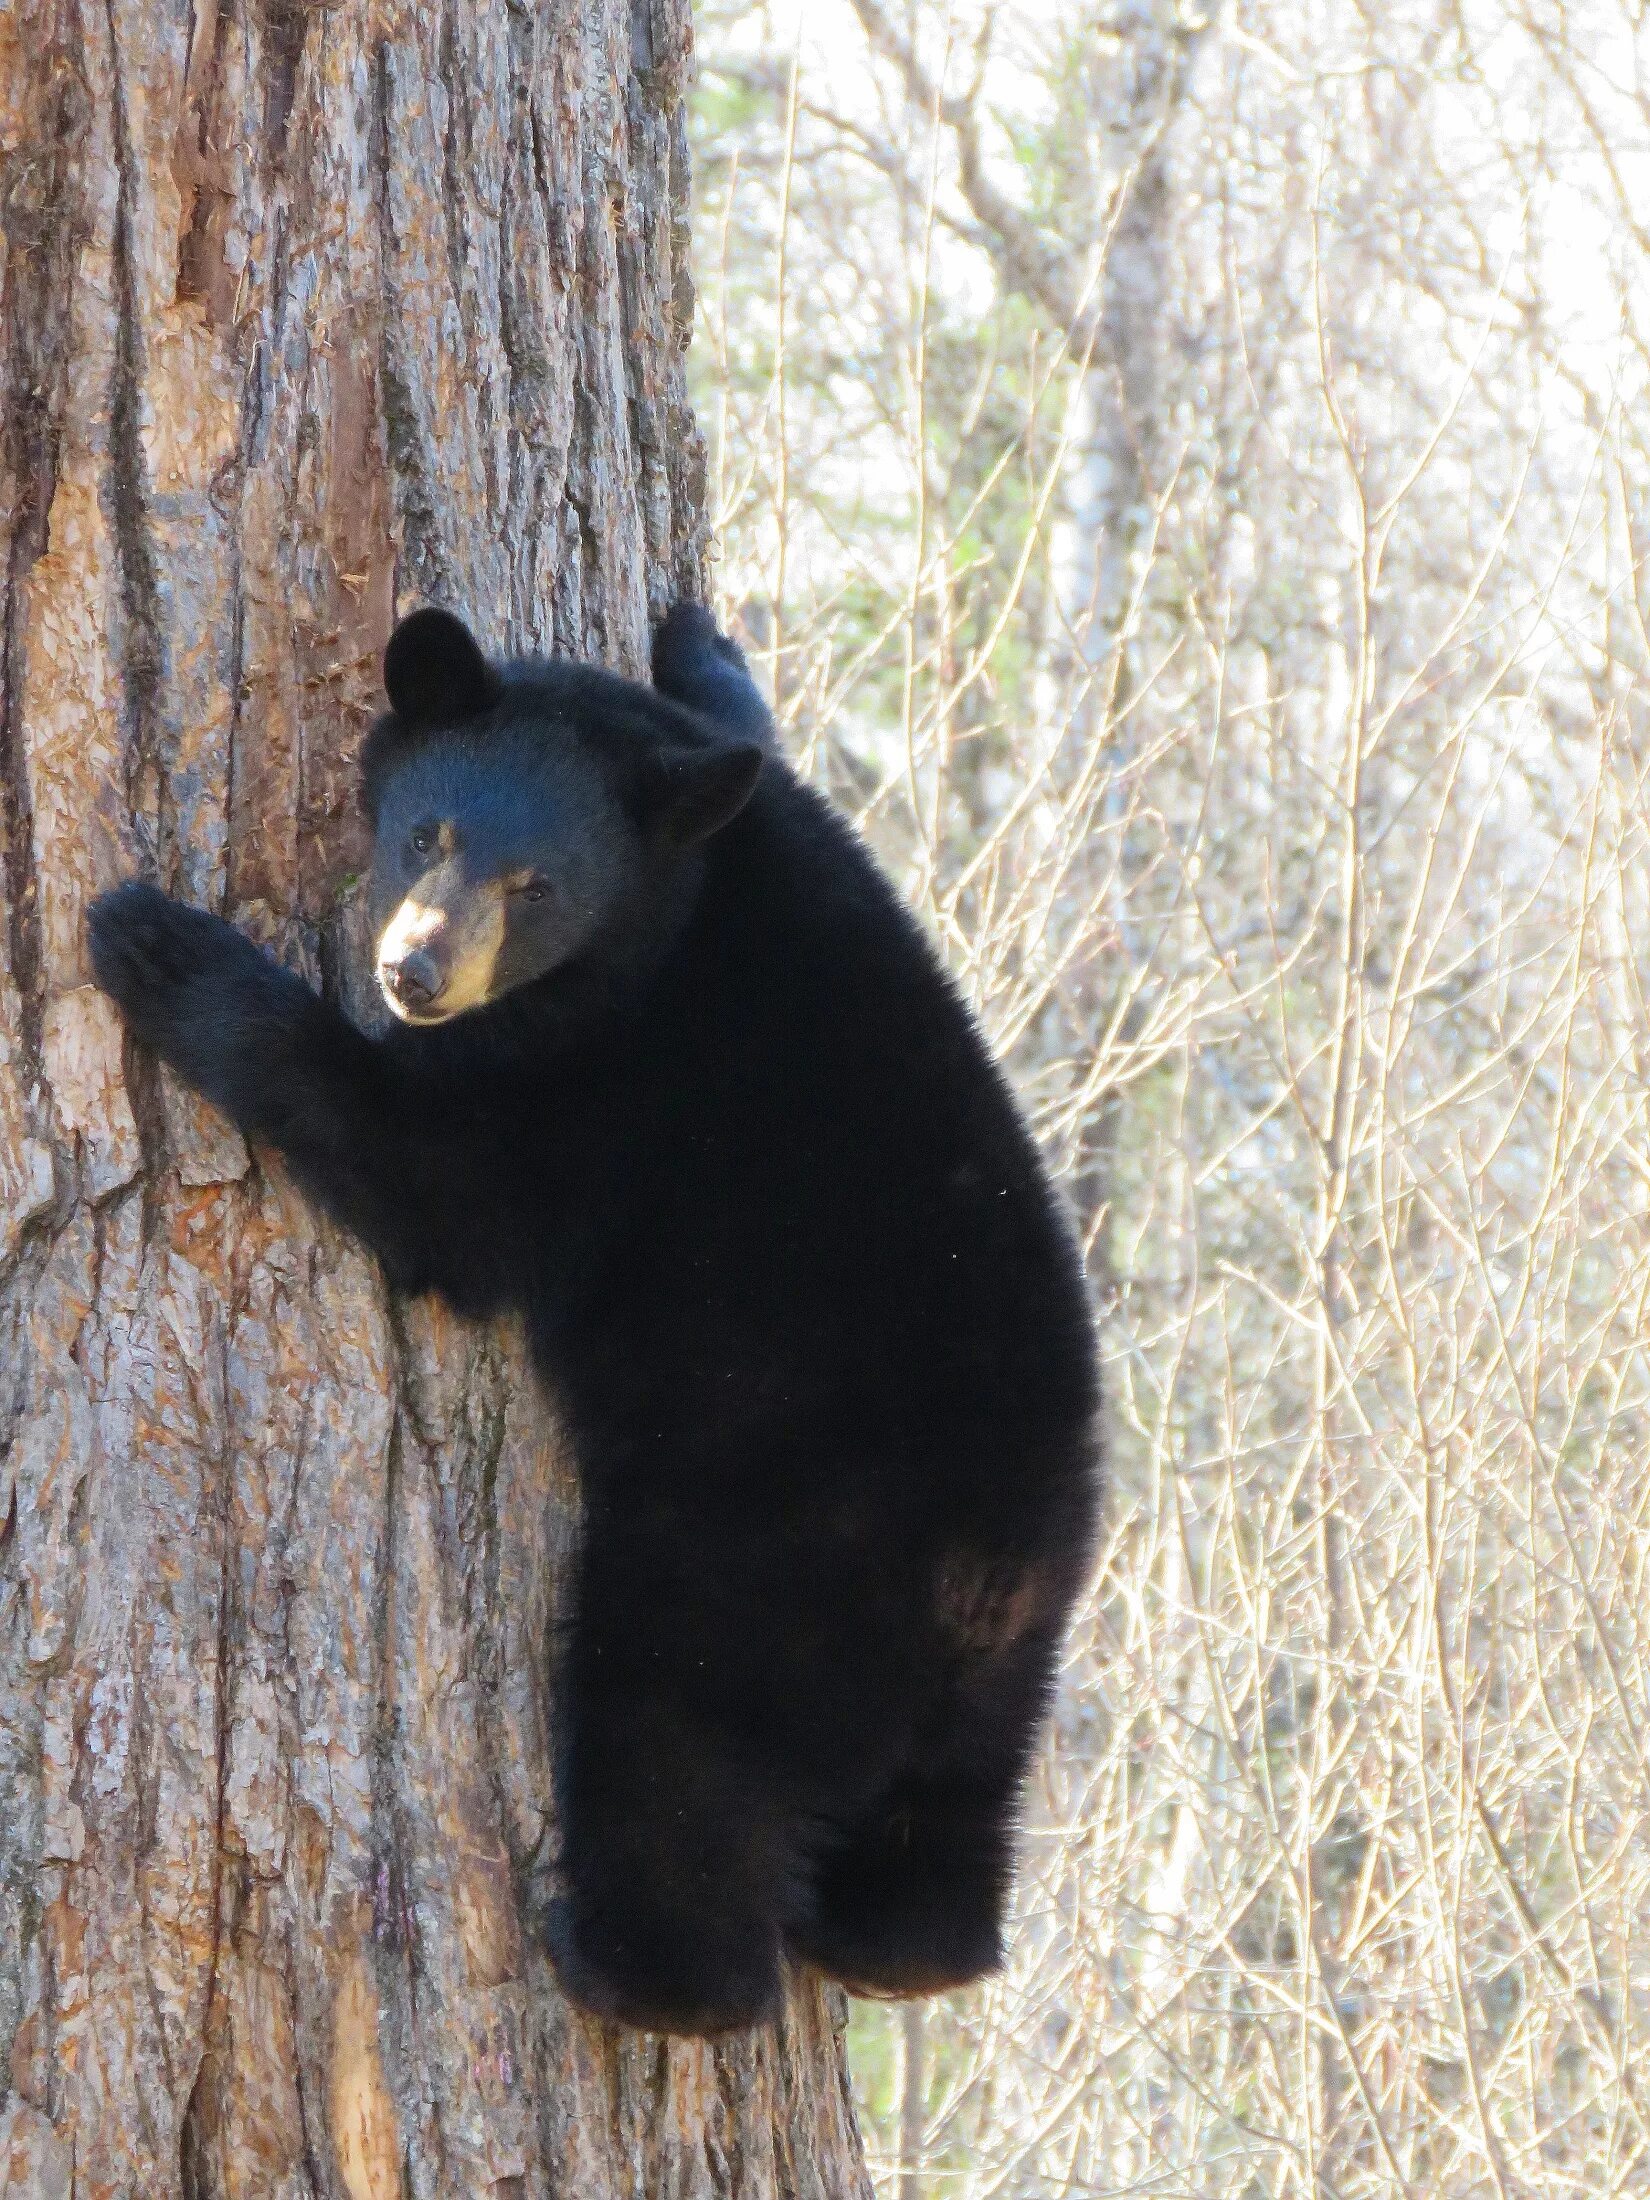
pixel 308 313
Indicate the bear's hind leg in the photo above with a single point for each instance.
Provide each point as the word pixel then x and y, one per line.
pixel 676 1865
pixel 912 1901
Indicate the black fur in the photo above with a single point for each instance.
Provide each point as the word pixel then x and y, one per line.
pixel 791 1266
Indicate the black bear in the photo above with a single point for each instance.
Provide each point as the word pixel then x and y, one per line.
pixel 675 1076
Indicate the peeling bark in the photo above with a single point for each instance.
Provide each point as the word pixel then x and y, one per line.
pixel 306 314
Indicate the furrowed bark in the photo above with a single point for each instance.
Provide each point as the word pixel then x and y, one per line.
pixel 306 314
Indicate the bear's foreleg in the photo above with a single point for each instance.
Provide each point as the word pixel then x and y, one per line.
pixel 282 1064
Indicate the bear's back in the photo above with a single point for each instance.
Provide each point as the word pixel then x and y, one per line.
pixel 839 1227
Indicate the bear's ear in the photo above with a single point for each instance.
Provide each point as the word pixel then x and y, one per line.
pixel 435 673
pixel 689 792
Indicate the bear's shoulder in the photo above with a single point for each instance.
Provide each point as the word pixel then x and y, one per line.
pixel 804 956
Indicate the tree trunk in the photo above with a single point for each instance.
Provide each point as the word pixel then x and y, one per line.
pixel 308 314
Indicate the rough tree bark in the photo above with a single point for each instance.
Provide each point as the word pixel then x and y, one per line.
pixel 308 313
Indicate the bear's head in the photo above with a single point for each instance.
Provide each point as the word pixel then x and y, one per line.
pixel 527 816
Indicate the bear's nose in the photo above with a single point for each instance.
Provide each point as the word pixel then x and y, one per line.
pixel 414 978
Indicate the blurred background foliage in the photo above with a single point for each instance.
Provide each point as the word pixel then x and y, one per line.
pixel 1181 473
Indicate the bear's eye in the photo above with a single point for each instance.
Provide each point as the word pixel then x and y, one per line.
pixel 536 889
pixel 422 841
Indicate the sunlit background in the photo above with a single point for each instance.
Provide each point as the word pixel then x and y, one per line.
pixel 1184 477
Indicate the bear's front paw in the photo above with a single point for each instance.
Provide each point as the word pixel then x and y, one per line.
pixel 151 955
pixel 696 663
pixel 683 639
pixel 142 942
